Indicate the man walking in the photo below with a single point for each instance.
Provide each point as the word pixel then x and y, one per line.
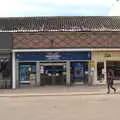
pixel 110 81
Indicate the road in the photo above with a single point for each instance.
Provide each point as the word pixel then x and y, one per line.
pixel 79 107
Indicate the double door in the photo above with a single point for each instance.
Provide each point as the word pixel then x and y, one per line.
pixel 52 73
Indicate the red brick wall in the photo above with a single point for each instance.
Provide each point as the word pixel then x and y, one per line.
pixel 66 39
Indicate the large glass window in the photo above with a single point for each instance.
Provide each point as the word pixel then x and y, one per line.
pixel 5 72
pixel 79 72
pixel 5 69
pixel 115 66
pixel 27 72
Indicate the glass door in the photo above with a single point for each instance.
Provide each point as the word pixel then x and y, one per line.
pixel 52 74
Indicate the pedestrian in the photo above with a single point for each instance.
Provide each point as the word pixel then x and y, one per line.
pixel 110 80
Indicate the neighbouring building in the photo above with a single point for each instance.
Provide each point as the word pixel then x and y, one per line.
pixel 5 60
pixel 104 60
pixel 63 50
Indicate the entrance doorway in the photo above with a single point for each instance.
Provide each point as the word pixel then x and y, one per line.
pixel 53 73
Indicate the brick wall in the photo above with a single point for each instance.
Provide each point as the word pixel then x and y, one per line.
pixel 66 40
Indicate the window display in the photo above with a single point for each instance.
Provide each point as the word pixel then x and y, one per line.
pixel 79 72
pixel 27 72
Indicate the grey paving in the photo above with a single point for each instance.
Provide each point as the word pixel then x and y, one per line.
pixel 80 107
pixel 56 91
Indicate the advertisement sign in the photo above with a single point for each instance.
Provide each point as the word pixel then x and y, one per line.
pixel 52 56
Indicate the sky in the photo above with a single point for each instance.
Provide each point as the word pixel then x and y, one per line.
pixel 22 8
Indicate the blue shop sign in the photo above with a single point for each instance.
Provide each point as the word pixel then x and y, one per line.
pixel 52 56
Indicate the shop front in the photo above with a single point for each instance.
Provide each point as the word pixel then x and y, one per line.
pixel 51 68
pixel 103 61
pixel 5 60
pixel 5 69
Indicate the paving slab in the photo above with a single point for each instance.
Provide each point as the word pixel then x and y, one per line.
pixel 56 91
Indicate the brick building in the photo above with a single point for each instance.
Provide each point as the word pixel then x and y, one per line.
pixel 5 60
pixel 63 50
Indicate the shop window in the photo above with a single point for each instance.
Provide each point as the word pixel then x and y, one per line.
pixel 79 72
pixel 5 69
pixel 115 66
pixel 27 72
pixel 5 74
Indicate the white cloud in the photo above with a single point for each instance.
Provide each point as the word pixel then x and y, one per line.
pixel 48 7
pixel 115 10
pixel 76 2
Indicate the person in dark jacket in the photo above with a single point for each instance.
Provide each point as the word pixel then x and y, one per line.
pixel 110 82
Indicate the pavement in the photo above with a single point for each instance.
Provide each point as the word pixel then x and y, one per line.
pixel 60 103
pixel 56 91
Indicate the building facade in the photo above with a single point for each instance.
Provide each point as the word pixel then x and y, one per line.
pixel 40 62
pixel 103 61
pixel 61 50
pixel 5 60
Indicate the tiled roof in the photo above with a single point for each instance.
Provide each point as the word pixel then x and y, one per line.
pixel 60 23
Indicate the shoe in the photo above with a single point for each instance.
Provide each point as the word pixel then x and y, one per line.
pixel 108 92
pixel 114 90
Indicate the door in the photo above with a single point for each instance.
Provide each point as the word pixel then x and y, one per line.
pixel 52 74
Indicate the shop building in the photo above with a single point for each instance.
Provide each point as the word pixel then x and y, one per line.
pixel 64 53
pixel 107 57
pixel 103 60
pixel 51 68
pixel 48 66
pixel 63 50
pixel 5 60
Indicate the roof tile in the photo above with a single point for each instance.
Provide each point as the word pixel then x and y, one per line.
pixel 60 23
